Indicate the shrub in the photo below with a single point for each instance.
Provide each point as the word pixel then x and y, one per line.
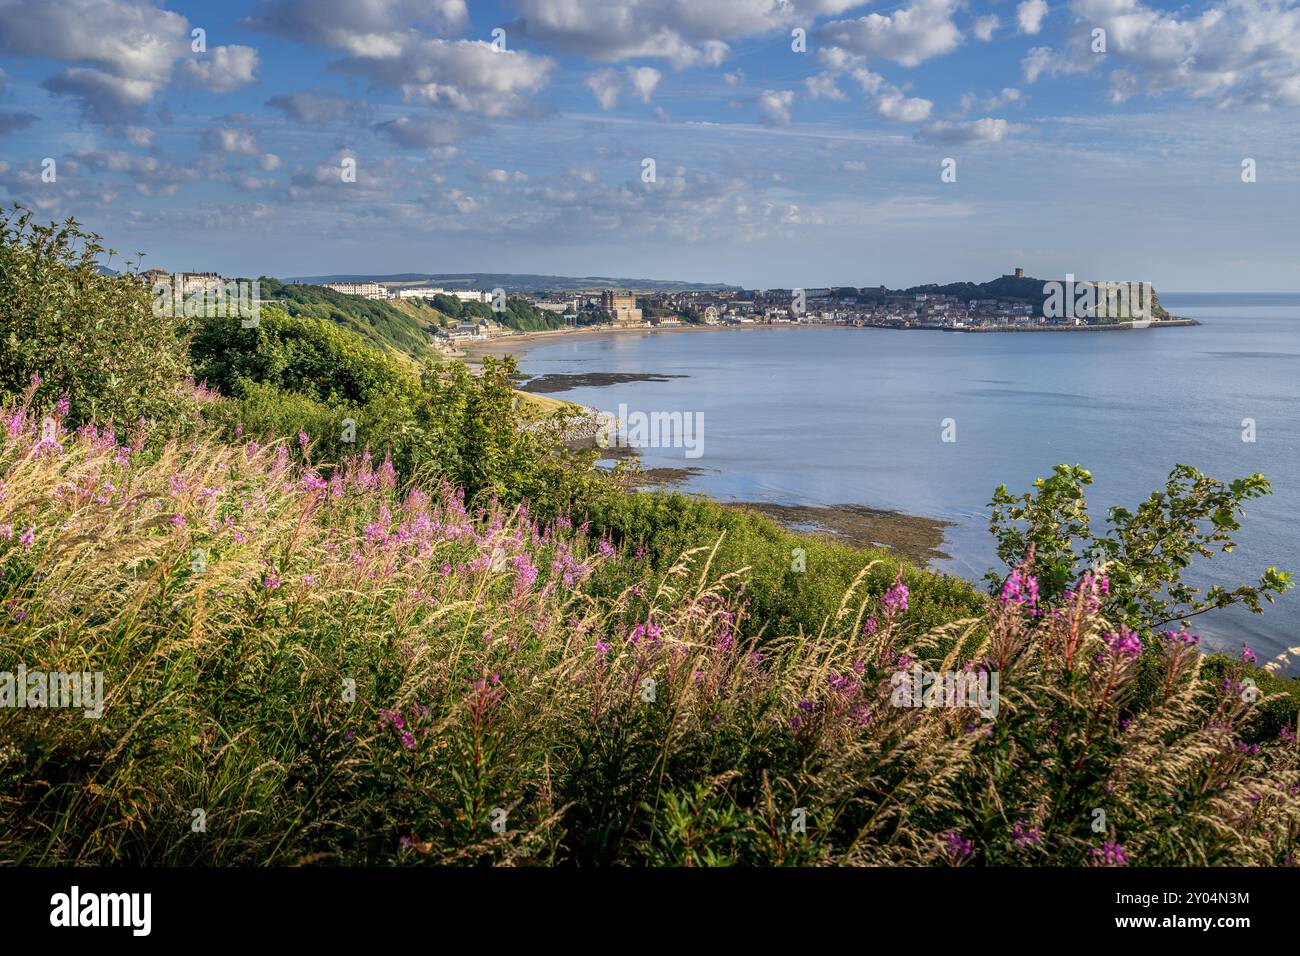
pixel 82 334
pixel 304 356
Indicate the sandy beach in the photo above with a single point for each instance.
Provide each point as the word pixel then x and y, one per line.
pixel 517 344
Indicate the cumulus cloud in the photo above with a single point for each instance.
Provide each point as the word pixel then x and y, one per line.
pixel 884 98
pixel 984 27
pixel 686 34
pixel 1235 52
pixel 221 70
pixel 774 107
pixel 909 36
pixel 965 132
pixel 118 54
pixel 991 101
pixel 464 75
pixel 644 79
pixel 1030 14
pixel 152 175
pixel 366 28
pixel 605 85
pixel 226 139
pixel 313 108
pixel 822 86
pixel 105 98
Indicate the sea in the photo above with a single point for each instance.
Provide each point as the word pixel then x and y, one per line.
pixel 930 422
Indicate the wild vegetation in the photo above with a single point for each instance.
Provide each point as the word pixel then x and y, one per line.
pixel 434 636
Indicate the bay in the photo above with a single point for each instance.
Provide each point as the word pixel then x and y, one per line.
pixel 829 416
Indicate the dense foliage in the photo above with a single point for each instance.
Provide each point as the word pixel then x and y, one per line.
pixel 519 315
pixel 90 337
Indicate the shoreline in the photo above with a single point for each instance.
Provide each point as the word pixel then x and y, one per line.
pixel 513 344
pixel 915 538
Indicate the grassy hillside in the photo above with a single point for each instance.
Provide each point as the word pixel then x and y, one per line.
pixel 379 323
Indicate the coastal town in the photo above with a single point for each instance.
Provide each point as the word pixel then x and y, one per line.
pixel 1014 302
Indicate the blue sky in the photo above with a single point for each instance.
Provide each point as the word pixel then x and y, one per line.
pixel 773 167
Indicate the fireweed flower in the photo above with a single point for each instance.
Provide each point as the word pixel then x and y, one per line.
pixel 958 850
pixel 1247 655
pixel 1109 853
pixel 648 632
pixel 1019 589
pixel 28 538
pixel 1022 835
pixel 895 599
pixel 1124 643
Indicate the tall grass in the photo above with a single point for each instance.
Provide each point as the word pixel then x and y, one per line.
pixel 308 663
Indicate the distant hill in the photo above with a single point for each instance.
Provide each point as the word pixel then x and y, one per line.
pixel 514 282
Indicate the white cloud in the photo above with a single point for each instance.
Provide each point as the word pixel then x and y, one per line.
pixel 117 55
pixel 223 69
pixel 884 98
pixel 822 86
pixel 966 132
pixel 1233 52
pixel 909 36
pixel 990 102
pixel 465 75
pixel 686 33
pixel 644 79
pixel 774 107
pixel 893 105
pixel 105 97
pixel 227 139
pixel 605 85
pixel 362 27
pixel 984 27
pixel 1030 14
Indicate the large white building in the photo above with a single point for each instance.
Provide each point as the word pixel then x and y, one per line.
pixel 366 290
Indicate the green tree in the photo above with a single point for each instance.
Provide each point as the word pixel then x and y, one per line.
pixel 1144 552
pixel 87 334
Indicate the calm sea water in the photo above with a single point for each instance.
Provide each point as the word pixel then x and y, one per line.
pixel 834 416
